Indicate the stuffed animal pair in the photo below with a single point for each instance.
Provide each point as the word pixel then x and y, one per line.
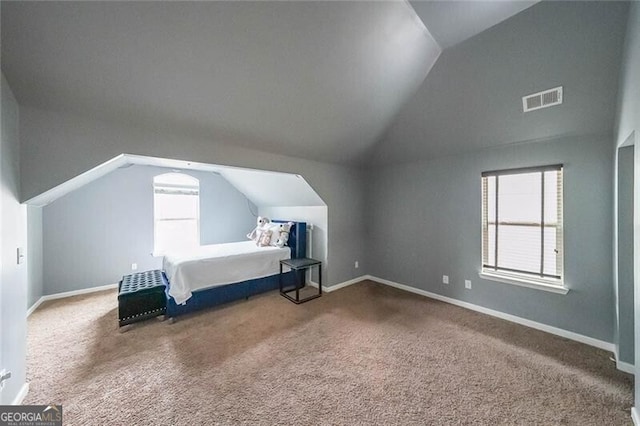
pixel 270 234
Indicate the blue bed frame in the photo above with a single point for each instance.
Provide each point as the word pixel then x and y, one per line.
pixel 215 296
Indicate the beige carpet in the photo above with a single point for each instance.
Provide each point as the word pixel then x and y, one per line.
pixel 364 354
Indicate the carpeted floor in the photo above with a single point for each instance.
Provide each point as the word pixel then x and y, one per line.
pixel 364 354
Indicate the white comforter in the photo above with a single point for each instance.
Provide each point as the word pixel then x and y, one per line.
pixel 219 264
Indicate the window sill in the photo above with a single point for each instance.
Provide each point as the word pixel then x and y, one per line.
pixel 523 282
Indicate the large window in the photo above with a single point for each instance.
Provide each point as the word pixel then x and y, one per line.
pixel 176 209
pixel 522 225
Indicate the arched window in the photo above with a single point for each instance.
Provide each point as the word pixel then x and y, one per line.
pixel 176 211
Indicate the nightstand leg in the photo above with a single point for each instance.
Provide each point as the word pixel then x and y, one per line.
pixel 298 268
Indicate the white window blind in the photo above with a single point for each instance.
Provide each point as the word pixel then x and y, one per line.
pixel 176 208
pixel 522 223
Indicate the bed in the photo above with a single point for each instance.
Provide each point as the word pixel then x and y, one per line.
pixel 221 273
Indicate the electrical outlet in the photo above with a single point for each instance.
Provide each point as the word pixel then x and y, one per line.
pixel 134 266
pixel 445 279
pixel 357 265
pixel 467 284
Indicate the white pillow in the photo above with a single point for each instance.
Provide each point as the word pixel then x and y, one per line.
pixel 265 239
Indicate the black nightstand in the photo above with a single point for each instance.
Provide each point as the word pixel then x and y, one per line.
pixel 301 264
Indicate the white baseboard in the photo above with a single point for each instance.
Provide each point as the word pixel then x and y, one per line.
pixel 24 390
pixel 518 320
pixel 69 294
pixel 621 365
pixel 34 306
pixel 339 285
pixel 626 367
pixel 635 416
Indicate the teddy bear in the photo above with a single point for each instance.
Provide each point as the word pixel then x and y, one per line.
pixel 282 239
pixel 261 223
pixel 283 231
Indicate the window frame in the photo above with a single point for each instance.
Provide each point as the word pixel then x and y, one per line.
pixel 195 187
pixel 542 281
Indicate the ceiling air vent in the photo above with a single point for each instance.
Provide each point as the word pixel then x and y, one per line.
pixel 543 99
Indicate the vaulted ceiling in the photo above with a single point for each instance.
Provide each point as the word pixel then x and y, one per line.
pixel 452 22
pixel 472 98
pixel 346 82
pixel 320 80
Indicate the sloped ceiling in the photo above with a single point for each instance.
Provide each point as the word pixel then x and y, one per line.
pixel 272 189
pixel 262 188
pixel 472 96
pixel 452 22
pixel 319 80
pixel 344 82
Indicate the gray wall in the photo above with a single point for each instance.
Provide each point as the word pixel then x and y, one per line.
pixel 94 234
pixel 13 277
pixel 627 131
pixel 34 255
pixel 424 222
pixel 58 146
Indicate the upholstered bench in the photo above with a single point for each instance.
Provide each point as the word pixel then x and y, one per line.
pixel 141 296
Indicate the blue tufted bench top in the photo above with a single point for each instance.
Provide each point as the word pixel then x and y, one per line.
pixel 141 282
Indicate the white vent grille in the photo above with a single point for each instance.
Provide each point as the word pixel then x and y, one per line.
pixel 542 99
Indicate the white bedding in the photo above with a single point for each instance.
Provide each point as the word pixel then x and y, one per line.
pixel 219 264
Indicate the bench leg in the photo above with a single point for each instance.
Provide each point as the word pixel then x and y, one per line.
pixel 124 328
